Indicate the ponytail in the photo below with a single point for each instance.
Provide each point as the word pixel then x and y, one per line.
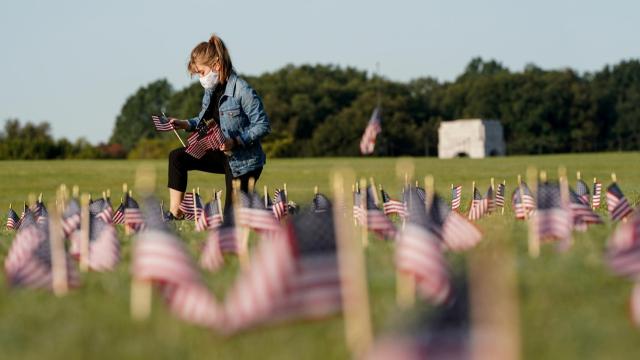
pixel 211 53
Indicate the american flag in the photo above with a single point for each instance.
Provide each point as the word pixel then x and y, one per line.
pixel 357 206
pixel 581 212
pixel 12 219
pixel 582 190
pixel 489 198
pixel 479 206
pixel 102 208
pixel 186 206
pixel 411 193
pixel 456 196
pixel 71 217
pixel 220 240
pixel 459 234
pixel 40 211
pixel 161 123
pixel 199 145
pixel 118 215
pixel 295 275
pixel 597 195
pixel 320 203
pixel 523 201
pixel 390 206
pixel 253 215
pixel 419 250
pixel 500 193
pixel 368 141
pixel 28 262
pixel 625 238
pixel 104 247
pixel 617 203
pixel 551 221
pixel 280 207
pixel 440 333
pixel 211 217
pixel 377 221
pixel 161 258
pixel 132 213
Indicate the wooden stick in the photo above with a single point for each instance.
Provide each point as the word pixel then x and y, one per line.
pixel 286 194
pixel 578 175
pixel 534 240
pixel 375 195
pixel 564 198
pixel 364 221
pixel 84 232
pixel 140 303
pixel 355 298
pixel 219 201
pixel 266 196
pixel 614 178
pixel 195 209
pixel 175 132
pixel 59 284
pixel 315 190
pixel 242 234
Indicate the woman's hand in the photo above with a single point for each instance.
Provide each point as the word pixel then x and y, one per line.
pixel 179 124
pixel 228 145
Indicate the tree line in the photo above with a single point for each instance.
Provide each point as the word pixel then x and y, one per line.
pixel 322 110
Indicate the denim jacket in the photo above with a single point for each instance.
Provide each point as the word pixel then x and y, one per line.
pixel 242 117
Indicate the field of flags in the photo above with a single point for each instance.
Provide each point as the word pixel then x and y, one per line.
pixel 312 256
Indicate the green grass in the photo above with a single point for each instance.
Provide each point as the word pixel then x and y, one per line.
pixel 570 305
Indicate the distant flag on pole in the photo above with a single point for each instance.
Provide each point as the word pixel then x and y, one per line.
pixel 456 196
pixel 374 127
pixel 617 204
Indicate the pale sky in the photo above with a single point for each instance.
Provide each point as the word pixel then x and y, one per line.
pixel 73 63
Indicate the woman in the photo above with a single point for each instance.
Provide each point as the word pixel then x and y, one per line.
pixel 230 102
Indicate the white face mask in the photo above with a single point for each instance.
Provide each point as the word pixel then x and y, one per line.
pixel 210 80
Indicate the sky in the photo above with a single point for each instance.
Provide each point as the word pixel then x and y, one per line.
pixel 74 63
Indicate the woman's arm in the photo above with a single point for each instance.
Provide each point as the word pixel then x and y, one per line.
pixel 259 125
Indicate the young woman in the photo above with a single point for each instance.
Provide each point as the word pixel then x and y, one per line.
pixel 230 102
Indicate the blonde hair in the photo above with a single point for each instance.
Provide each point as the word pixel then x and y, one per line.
pixel 210 53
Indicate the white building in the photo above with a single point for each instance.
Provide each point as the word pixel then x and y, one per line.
pixel 474 138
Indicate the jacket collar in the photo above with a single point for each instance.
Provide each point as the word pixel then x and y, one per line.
pixel 231 84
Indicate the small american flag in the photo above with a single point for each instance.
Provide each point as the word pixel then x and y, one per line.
pixel 551 221
pixel 582 190
pixel 293 276
pixel 160 257
pixel 40 211
pixel 581 212
pixel 253 215
pixel 390 206
pixel 489 198
pixel 522 201
pixel 186 206
pixel 161 123
pixel 12 219
pixel 211 217
pixel 28 263
pixel 459 234
pixel 320 203
pixel 71 217
pixel 118 215
pixel 419 250
pixel 479 206
pixel 220 240
pixel 280 207
pixel 617 203
pixel 626 236
pixel 456 196
pixel 377 221
pixel 102 209
pixel 132 213
pixel 597 195
pixel 199 145
pixel 104 247
pixel 500 194
pixel 368 141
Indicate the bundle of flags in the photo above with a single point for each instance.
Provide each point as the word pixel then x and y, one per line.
pixel 204 140
pixel 368 141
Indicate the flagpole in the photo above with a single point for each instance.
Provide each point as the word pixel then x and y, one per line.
pixel 504 194
pixel 534 240
pixel 364 220
pixel 175 132
pixel 594 194
pixel 59 279
pixel 84 233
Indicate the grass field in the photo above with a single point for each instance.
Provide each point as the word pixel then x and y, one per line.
pixel 571 306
